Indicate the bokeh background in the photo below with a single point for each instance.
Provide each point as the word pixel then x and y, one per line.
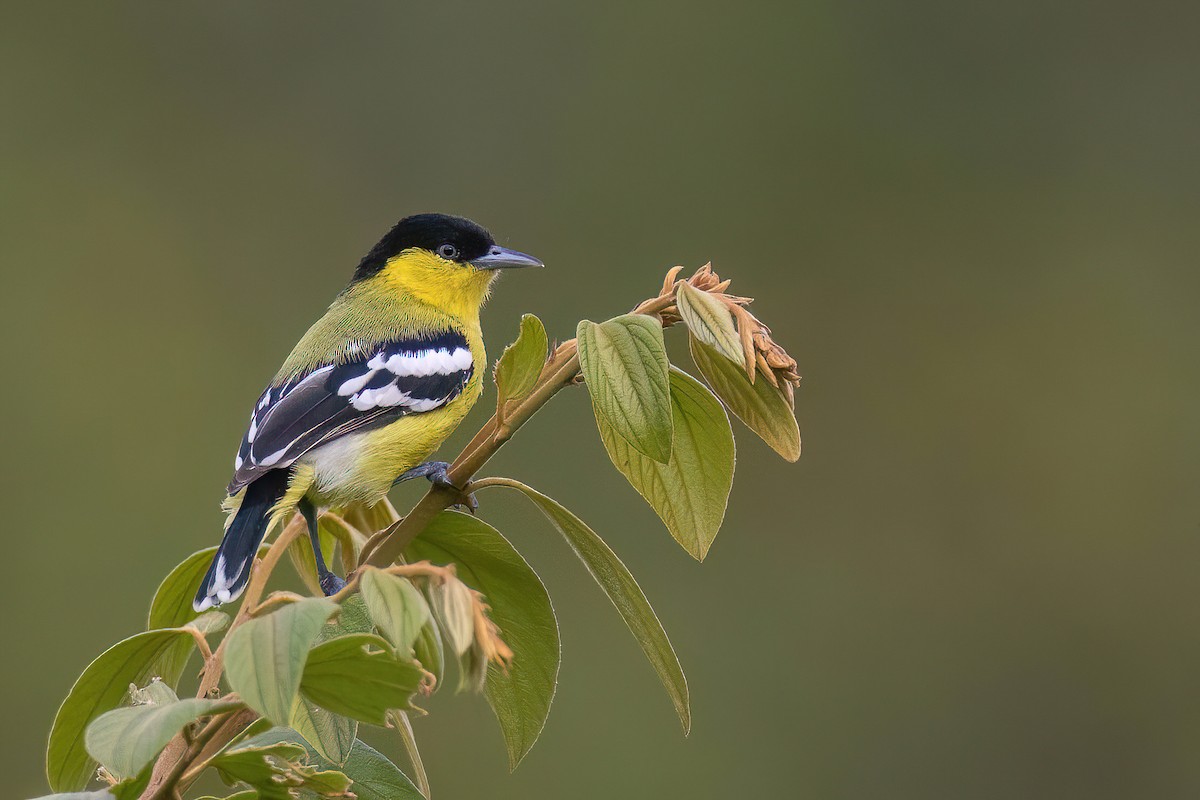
pixel 975 225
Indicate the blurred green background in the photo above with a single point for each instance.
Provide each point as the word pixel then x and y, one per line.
pixel 975 226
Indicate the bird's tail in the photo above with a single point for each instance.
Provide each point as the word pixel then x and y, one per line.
pixel 230 569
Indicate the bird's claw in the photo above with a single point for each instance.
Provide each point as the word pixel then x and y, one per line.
pixel 438 473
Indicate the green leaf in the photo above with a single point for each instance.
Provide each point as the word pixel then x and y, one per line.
pixel 760 405
pixel 301 553
pixel 360 677
pixel 521 363
pixel 396 606
pixel 374 776
pixel 172 604
pixel 249 794
pixel 264 658
pixel 709 320
pixel 622 590
pixel 127 739
pixel 101 687
pixel 625 366
pixel 330 734
pixel 521 695
pixel 689 493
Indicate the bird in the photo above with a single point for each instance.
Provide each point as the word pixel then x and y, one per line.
pixel 368 393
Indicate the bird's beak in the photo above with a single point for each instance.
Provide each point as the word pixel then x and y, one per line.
pixel 503 258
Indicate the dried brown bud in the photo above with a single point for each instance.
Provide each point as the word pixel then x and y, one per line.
pixel 761 352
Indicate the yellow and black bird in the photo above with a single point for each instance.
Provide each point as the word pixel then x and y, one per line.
pixel 369 392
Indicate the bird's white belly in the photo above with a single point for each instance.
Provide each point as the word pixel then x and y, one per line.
pixel 337 469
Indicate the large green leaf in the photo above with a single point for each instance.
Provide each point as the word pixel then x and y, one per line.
pixel 520 606
pixel 760 405
pixel 521 363
pixel 689 493
pixel 101 687
pixel 708 320
pixel 397 608
pixel 172 604
pixel 374 776
pixel 125 740
pixel 617 582
pixel 264 658
pixel 360 677
pixel 625 366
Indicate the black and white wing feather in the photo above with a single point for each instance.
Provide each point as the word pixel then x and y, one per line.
pixel 388 381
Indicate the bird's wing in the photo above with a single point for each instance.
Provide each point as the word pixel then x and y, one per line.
pixel 374 387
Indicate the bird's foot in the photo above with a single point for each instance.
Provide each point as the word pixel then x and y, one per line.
pixel 438 474
pixel 331 584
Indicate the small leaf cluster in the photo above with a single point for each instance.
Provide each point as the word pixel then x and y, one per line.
pixel 288 680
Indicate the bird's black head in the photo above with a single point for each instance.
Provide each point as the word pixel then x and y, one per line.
pixel 453 238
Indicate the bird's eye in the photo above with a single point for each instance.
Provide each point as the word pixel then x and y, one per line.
pixel 448 252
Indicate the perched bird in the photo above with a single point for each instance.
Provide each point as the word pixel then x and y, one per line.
pixel 369 392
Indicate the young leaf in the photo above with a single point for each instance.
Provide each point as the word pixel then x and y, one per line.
pixel 127 739
pixel 760 405
pixel 374 776
pixel 521 363
pixel 708 320
pixel 358 676
pixel 689 493
pixel 396 606
pixel 521 695
pixel 264 658
pixel 451 603
pixel 101 687
pixel 172 605
pixel 622 590
pixel 625 366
